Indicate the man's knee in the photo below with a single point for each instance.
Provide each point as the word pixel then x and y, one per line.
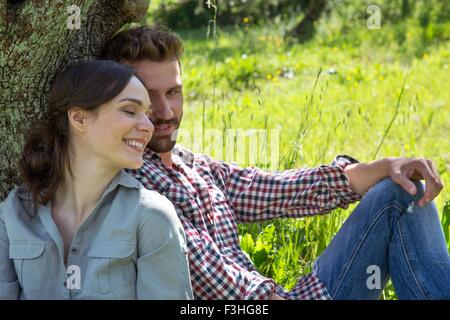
pixel 389 190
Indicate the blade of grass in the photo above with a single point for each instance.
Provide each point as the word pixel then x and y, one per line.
pixel 395 115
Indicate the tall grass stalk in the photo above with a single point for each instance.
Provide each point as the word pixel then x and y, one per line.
pixel 397 107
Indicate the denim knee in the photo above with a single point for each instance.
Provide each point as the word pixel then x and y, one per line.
pixel 391 191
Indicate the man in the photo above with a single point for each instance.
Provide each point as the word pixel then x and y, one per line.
pixel 395 230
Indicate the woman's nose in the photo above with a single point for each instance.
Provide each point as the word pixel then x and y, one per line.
pixel 146 125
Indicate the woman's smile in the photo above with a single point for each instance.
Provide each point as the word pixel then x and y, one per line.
pixel 136 144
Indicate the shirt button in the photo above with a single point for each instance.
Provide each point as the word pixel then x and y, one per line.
pixel 74 250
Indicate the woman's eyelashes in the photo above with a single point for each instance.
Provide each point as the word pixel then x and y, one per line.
pixel 129 110
pixel 133 112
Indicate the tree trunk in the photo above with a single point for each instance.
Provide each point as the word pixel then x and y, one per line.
pixel 304 30
pixel 406 8
pixel 35 42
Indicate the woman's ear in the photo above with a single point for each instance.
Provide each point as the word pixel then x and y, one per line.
pixel 77 119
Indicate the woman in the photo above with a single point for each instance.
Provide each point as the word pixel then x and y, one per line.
pixel 80 227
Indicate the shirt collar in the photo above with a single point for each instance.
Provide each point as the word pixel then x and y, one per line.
pixel 124 179
pixel 121 178
pixel 177 153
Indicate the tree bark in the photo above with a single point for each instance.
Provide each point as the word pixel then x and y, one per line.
pixel 35 43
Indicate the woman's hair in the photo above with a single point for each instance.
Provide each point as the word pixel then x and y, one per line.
pixel 45 155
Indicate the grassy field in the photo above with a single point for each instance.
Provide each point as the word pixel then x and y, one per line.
pixel 334 95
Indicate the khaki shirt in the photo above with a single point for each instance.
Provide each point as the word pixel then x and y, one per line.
pixel 132 246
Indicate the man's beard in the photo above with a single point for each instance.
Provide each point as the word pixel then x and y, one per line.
pixel 162 144
pixel 165 143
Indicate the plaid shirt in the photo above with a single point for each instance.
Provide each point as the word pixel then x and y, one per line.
pixel 212 197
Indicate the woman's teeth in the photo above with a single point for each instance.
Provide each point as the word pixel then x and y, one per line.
pixel 135 144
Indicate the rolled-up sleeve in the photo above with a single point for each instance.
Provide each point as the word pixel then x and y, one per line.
pixel 9 284
pixel 162 263
pixel 257 195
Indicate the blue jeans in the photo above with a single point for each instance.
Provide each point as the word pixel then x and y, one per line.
pixel 382 238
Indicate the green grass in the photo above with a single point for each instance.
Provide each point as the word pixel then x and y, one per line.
pixel 334 95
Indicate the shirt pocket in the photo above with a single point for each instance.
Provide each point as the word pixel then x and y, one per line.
pixel 110 267
pixel 29 264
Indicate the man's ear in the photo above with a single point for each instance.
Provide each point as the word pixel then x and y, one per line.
pixel 77 118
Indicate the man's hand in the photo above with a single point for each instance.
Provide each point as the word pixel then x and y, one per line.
pixel 362 176
pixel 403 170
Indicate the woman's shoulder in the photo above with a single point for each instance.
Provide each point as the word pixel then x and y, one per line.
pixel 155 206
pixel 158 220
pixel 150 196
pixel 17 212
pixel 18 198
pixel 134 192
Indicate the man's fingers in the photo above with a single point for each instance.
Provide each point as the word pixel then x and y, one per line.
pixel 404 181
pixel 436 175
pixel 431 186
pixel 438 186
pixel 419 169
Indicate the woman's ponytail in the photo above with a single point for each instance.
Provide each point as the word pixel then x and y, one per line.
pixel 40 172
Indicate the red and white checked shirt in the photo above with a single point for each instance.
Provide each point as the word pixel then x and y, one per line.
pixel 212 197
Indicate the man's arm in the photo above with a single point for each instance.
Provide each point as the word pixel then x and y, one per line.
pixel 257 195
pixel 362 176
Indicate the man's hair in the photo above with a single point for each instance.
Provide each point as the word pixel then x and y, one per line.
pixel 154 43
